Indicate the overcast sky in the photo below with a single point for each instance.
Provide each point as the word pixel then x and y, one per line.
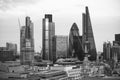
pixel 105 18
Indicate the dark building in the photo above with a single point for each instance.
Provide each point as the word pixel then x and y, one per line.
pixel 115 53
pixel 49 17
pixel 6 54
pixel 27 42
pixel 88 35
pixel 48 32
pixel 75 43
pixel 12 47
pixel 112 52
pixel 117 38
pixel 60 47
pixel 107 53
pixel 116 48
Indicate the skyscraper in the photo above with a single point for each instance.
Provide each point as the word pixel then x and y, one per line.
pixel 88 35
pixel 27 42
pixel 75 43
pixel 48 32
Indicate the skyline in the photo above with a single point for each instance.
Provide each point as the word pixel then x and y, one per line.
pixel 104 18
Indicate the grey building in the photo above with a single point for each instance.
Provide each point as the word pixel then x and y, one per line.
pixel 48 32
pixel 27 42
pixel 107 53
pixel 7 53
pixel 12 47
pixel 117 38
pixel 115 53
pixel 75 43
pixel 88 35
pixel 60 47
pixel 116 48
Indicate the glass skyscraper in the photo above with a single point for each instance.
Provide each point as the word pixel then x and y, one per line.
pixel 88 36
pixel 48 32
pixel 75 43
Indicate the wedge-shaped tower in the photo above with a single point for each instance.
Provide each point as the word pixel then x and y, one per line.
pixel 88 36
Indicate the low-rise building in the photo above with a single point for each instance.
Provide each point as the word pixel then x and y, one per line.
pixel 73 72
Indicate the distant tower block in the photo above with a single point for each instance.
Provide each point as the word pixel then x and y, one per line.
pixel 27 43
pixel 88 35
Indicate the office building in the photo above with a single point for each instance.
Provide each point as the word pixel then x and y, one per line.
pixel 6 55
pixel 117 38
pixel 12 47
pixel 27 42
pixel 107 51
pixel 75 43
pixel 48 32
pixel 116 48
pixel 88 36
pixel 116 53
pixel 60 49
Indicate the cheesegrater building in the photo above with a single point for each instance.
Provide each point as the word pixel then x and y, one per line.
pixel 88 36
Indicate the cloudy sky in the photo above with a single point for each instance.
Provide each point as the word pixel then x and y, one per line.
pixel 105 18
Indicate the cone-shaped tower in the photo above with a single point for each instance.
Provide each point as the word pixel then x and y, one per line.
pixel 75 43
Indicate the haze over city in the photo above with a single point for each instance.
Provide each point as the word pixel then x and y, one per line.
pixel 105 18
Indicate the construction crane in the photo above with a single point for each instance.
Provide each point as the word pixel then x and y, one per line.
pixel 19 23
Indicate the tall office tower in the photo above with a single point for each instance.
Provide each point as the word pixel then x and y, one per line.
pixel 75 43
pixel 107 54
pixel 117 38
pixel 60 49
pixel 27 42
pixel 48 32
pixel 88 37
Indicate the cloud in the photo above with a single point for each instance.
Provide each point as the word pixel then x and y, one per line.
pixel 8 4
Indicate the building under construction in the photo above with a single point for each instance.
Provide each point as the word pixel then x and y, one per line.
pixel 27 42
